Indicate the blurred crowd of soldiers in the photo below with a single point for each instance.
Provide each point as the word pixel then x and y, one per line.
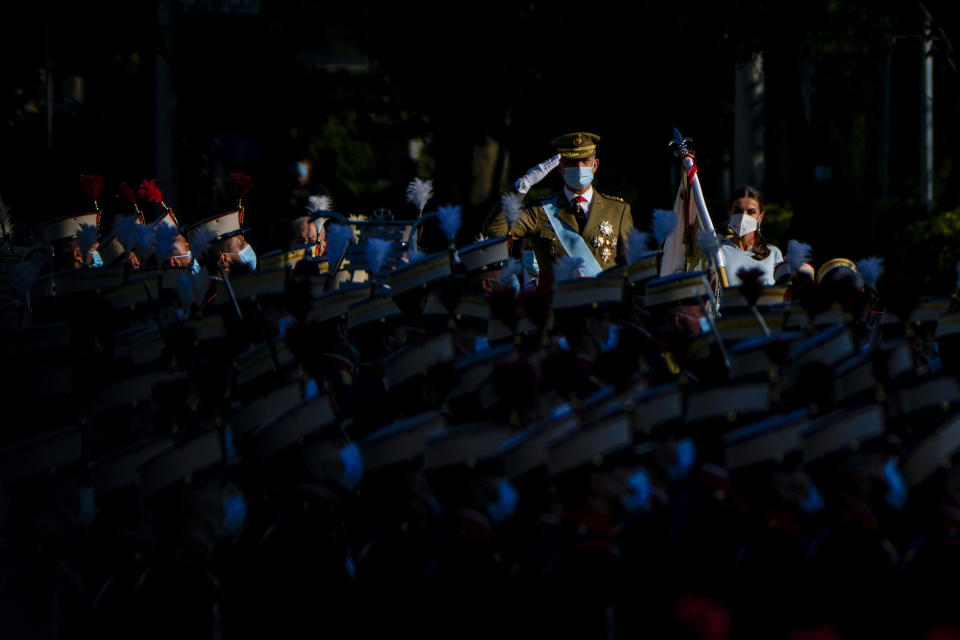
pixel 351 435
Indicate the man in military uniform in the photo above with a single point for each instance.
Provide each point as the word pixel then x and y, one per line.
pixel 579 221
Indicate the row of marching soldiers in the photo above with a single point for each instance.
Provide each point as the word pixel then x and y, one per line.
pixel 355 436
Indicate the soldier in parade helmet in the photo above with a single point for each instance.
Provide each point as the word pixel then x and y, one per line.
pixel 579 221
pixel 746 248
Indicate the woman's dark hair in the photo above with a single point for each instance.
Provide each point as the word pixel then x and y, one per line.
pixel 759 250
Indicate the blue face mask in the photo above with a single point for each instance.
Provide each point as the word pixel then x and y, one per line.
pixel 613 338
pixel 195 267
pixel 686 457
pixel 481 344
pixel 896 487
pixel 503 508
pixel 705 327
pixel 229 447
pixel 248 256
pixel 514 282
pixel 813 503
pixel 97 260
pixel 302 170
pixel 284 323
pixel 88 507
pixel 638 498
pixel 352 466
pixel 578 177
pixel 530 263
pixel 234 513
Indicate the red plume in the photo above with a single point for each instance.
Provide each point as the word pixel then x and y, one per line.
pixel 127 195
pixel 91 185
pixel 149 191
pixel 708 618
pixel 238 184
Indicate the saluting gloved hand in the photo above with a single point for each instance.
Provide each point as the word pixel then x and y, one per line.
pixel 536 174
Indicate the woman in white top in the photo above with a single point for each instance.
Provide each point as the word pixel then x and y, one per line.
pixel 746 248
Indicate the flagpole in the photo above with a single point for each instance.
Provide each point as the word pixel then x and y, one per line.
pixel 682 149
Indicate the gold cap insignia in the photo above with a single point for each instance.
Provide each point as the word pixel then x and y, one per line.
pixel 577 145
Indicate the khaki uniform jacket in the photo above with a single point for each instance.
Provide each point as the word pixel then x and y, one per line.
pixel 608 223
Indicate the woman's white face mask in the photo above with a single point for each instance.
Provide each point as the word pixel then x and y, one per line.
pixel 743 223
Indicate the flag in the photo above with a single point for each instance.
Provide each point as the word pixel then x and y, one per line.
pixel 680 250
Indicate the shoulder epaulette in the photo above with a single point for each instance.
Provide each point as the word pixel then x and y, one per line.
pixel 609 197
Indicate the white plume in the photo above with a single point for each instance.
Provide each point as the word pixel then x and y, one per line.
pixel 376 252
pixel 319 203
pixel 511 269
pixel 419 192
pixel 338 237
pixel 567 268
pixel 797 254
pixel 709 244
pixel 146 240
pixel 512 207
pixel 87 237
pixel 6 224
pixel 664 221
pixel 23 275
pixel 185 291
pixel 449 218
pixel 870 269
pixel 166 238
pixel 127 231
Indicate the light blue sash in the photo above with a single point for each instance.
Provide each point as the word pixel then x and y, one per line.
pixel 571 240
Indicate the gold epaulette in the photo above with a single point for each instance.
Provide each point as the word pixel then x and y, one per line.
pixel 609 197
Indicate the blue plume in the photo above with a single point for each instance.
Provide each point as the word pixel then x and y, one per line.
pixel 449 217
pixel 870 269
pixel 338 237
pixel 376 252
pixel 637 245
pixel 664 222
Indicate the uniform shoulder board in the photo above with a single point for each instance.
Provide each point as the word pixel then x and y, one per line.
pixel 609 197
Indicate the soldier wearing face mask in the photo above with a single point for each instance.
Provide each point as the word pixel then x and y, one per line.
pixel 579 221
pixel 746 247
pixel 225 246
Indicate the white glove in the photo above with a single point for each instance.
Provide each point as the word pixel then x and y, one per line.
pixel 536 174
